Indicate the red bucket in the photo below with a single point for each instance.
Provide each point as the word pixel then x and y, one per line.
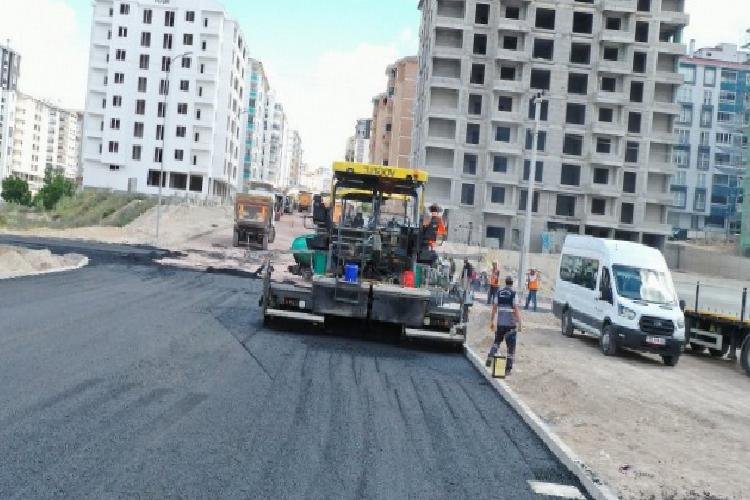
pixel 408 279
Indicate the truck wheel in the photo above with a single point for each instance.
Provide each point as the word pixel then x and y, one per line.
pixel 607 341
pixel 264 245
pixel 745 355
pixel 697 349
pixel 671 360
pixel 719 353
pixel 236 238
pixel 566 324
pixel 272 237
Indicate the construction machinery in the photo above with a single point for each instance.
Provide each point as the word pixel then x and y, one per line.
pixel 304 201
pixel 373 262
pixel 254 215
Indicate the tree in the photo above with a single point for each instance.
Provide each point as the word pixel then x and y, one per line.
pixel 55 187
pixel 16 190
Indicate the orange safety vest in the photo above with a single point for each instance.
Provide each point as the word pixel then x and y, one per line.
pixel 533 282
pixel 495 278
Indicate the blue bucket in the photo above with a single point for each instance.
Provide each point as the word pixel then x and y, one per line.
pixel 351 273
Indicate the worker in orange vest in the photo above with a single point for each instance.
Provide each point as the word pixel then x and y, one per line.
pixel 494 283
pixel 437 224
pixel 533 282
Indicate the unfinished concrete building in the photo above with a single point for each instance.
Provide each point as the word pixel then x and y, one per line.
pixel 609 70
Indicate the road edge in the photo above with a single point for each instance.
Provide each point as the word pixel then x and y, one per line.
pixel 594 486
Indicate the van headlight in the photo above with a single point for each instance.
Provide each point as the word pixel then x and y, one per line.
pixel 681 324
pixel 625 312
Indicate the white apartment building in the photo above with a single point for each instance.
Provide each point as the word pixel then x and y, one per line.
pixel 45 136
pixel 711 140
pixel 609 71
pixel 10 63
pixel 294 155
pixel 166 82
pixel 276 168
pixel 257 122
pixel 362 140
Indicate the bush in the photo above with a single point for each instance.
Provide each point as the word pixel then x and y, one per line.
pixel 16 190
pixel 56 186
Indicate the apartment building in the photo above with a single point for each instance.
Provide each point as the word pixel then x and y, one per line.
pixel 276 168
pixel 257 122
pixel 609 73
pixel 10 66
pixel 166 85
pixel 715 109
pixel 350 148
pixel 393 115
pixel 294 155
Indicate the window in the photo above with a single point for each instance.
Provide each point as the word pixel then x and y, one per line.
pixel 496 233
pixel 683 136
pixel 178 181
pixel 575 114
pixel 187 39
pixel 504 103
pixel 573 144
pixel 136 152
pixel 475 104
pixel 477 74
pixel 120 55
pixel 467 194
pixel 510 42
pixel 147 16
pixel 570 175
pixel 163 87
pixel 143 63
pixel 160 132
pixel 680 198
pixel 470 164
pixel 629 182
pixel 686 115
pixel 601 176
pixel 639 62
pixel 502 134
pixel 606 115
pixel 538 174
pixel 507 73
pixel 472 133
pixel 583 22
pixel 709 76
pixel 160 110
pixel 627 211
pixel 167 43
pixel 540 79
pixel 632 152
pixel 512 12
pixel 611 54
pixel 541 141
pixel 688 73
pixel 523 196
pixel 140 107
pixel 205 22
pixel 706 117
pixel 500 164
pixel 545 19
pixel 179 154
pixel 114 168
pixel 182 108
pixel 116 101
pixel 153 178
pixel 497 195
pixel 480 44
pixel 708 97
pixel 114 124
pixel 598 206
pixel 122 32
pixel 566 206
pixel 636 91
pixel 184 85
pixel 124 9
pixel 543 49
pixel 169 18
pixel 186 62
pixel 704 160
pixel 197 137
pixel 613 23
pixel 145 39
pixel 634 123
pixel 699 203
pixel 180 131
pixel 119 78
pixel 603 145
pixel 543 112
pixel 578 83
pixel 197 114
pixel 196 182
pixel 114 147
pixel 704 138
pixel 142 84
pixel 138 129
pixel 158 155
pixel 641 31
pixel 482 14
pixel 190 16
pixel 580 53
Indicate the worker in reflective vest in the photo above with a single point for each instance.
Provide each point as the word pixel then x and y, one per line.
pixel 533 282
pixel 494 283
pixel 506 320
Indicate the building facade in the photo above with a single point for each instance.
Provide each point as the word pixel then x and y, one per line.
pixel 257 121
pixel 609 73
pixel 166 84
pixel 361 146
pixel 10 68
pixel 392 116
pixel 294 154
pixel 715 110
pixel 276 162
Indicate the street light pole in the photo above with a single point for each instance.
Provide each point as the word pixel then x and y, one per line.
pixel 164 142
pixel 523 259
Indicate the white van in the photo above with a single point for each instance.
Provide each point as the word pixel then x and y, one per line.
pixel 621 292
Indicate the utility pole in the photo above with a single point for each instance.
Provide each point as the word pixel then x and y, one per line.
pixel 164 142
pixel 523 259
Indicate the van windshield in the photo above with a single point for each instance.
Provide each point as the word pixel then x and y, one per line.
pixel 644 284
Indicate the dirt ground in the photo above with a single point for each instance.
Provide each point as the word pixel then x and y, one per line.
pixel 647 430
pixel 15 262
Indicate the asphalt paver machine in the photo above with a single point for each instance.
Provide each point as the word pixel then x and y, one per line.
pixel 376 262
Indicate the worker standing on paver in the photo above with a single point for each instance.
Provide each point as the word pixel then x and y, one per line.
pixel 494 282
pixel 533 282
pixel 506 320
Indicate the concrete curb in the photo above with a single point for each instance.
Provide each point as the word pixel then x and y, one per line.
pixel 81 264
pixel 594 486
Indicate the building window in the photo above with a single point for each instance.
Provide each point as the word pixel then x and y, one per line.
pixel 634 123
pixel 576 114
pixel 475 104
pixel 186 62
pixel 190 16
pixel 641 31
pixel 566 206
pixel 187 39
pixel 606 115
pixel 629 182
pixel 179 154
pixel 538 174
pixel 184 85
pixel 180 131
pixel 145 39
pixel 601 176
pixel 543 112
pixel 182 108
pixel 160 110
pixel 540 79
pixel 138 129
pixel 142 84
pixel 124 9
pixel 573 144
pixel 120 55
pixel 467 194
pixel 627 212
pixel 167 43
pixel 163 87
pixel 477 74
pixel 598 206
pixel 143 63
pixel 116 101
pixel 480 45
pixel 580 53
pixel 706 117
pixel 472 133
pixel 545 19
pixel 119 78
pixel 583 22
pixel 604 145
pixel 541 142
pixel 523 196
pixel 709 77
pixel 147 16
pixel 578 83
pixel 543 49
pixel 502 134
pixel 609 84
pixel 500 164
pixel 160 132
pixel 570 175
pixel 169 18
pixel 114 124
pixel 639 62
pixel 114 147
pixel 137 152
pixel 699 203
pixel 122 32
pixel 470 164
pixel 636 91
pixel 497 195
pixel 482 14
pixel 632 152
pixel 158 155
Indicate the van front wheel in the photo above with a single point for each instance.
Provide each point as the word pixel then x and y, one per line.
pixel 607 342
pixel 566 324
pixel 671 360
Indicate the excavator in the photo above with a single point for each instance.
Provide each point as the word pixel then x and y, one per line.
pixel 372 260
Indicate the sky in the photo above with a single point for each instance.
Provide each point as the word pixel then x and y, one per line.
pixel 325 58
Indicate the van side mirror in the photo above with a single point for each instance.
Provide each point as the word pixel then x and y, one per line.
pixel 682 305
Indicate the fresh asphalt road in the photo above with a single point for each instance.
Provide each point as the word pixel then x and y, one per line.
pixel 128 379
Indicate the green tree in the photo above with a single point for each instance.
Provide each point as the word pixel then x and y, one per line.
pixel 16 190
pixel 56 186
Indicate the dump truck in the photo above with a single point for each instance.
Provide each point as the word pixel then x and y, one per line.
pixel 254 215
pixel 721 333
pixel 371 267
pixel 304 201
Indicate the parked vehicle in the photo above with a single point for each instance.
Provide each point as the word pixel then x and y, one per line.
pixel 622 293
pixel 254 219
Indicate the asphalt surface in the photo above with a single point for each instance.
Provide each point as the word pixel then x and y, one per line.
pixel 128 379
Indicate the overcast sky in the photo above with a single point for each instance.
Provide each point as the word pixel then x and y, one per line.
pixel 326 58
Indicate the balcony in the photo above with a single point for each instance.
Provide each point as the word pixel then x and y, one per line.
pixel 618 36
pixel 621 67
pixel 506 24
pixel 604 190
pixel 619 5
pixel 512 55
pixel 448 51
pixel 201 146
pixel 663 137
pixel 618 98
pixel 661 167
pixel 672 17
pixel 668 77
pixel 448 82
pixel 679 49
pixel 607 128
pixel 512 86
pixel 608 160
pixel 659 198
pixel 669 108
pixel 509 148
pixel 507 116
pixel 449 22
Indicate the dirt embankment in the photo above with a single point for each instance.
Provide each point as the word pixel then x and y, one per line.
pixel 15 262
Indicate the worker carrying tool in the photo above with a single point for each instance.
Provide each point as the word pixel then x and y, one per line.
pixel 506 320
pixel 533 282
